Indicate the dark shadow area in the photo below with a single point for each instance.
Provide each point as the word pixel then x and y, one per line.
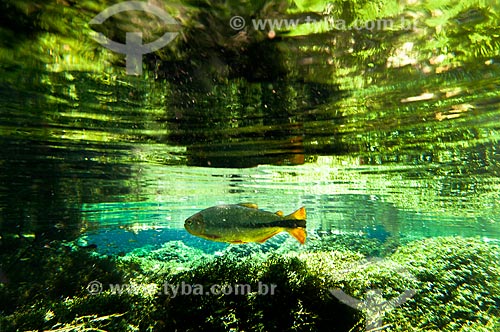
pixel 240 98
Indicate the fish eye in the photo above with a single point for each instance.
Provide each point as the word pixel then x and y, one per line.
pixel 194 220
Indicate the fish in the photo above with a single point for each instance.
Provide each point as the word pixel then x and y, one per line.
pixel 244 222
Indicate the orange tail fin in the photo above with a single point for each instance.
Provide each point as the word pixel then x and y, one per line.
pixel 300 214
pixel 299 233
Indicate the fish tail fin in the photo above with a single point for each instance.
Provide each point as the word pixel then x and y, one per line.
pixel 298 233
pixel 298 230
pixel 300 214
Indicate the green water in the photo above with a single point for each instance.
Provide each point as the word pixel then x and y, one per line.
pixel 371 201
pixel 81 158
pixel 388 136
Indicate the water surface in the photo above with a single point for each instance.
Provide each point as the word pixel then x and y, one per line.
pixel 399 144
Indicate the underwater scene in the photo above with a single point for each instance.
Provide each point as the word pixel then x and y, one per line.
pixel 270 165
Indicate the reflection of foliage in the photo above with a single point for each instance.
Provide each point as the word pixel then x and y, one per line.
pixel 211 51
pixel 456 30
pixel 454 271
pixel 52 34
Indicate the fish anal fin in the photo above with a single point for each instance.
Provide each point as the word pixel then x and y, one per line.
pixel 300 214
pixel 279 213
pixel 299 233
pixel 264 239
pixel 249 205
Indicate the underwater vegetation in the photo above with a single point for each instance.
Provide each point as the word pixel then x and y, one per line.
pixel 456 288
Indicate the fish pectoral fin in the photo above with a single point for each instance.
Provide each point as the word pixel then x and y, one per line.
pixel 237 242
pixel 249 205
pixel 210 236
pixel 279 213
pixel 300 214
pixel 298 233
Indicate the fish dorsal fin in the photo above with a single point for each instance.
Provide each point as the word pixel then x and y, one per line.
pixel 298 233
pixel 300 214
pixel 279 213
pixel 249 205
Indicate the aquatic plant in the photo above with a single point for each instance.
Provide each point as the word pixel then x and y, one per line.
pixel 457 288
pixel 357 243
pixel 39 275
pixel 458 285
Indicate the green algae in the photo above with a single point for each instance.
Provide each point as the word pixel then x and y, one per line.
pixel 458 282
pixel 457 288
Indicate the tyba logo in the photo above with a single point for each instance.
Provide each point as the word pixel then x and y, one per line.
pixel 133 47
